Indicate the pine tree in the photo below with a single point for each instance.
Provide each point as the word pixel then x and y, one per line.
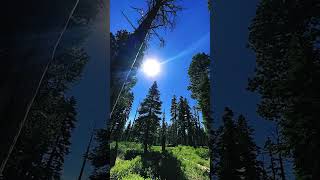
pixel 237 151
pixel 22 64
pixel 182 126
pixel 199 84
pixel 100 156
pixel 285 38
pixel 229 161
pixel 248 151
pixel 189 123
pixel 149 120
pixel 45 139
pixel 173 129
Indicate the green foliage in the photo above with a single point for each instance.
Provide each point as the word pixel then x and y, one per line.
pixel 181 162
pixel 125 167
pixel 200 84
pixel 185 126
pixel 194 161
pixel 134 177
pixel 148 121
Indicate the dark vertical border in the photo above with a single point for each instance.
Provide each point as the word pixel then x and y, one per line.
pixel 210 139
pixel 107 30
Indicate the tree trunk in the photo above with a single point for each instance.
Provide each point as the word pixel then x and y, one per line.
pixel 52 155
pixel 85 157
pixel 272 165
pixel 145 142
pixel 129 51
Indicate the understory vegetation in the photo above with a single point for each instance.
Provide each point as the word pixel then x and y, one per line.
pixel 182 162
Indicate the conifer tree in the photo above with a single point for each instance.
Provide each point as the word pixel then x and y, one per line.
pixel 285 38
pixel 188 122
pixel 237 152
pixel 248 151
pixel 229 161
pixel 173 130
pixel 200 85
pixel 26 48
pixel 148 121
pixel 182 136
pixel 45 139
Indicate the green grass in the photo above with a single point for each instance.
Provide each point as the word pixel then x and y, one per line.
pixel 123 168
pixel 195 161
pixel 181 162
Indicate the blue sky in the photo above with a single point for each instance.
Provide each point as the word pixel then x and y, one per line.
pixel 91 93
pixel 190 36
pixel 233 64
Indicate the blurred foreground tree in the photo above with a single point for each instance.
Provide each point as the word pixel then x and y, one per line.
pixel 285 37
pixel 45 139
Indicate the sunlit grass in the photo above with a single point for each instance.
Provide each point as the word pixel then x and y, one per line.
pixel 124 168
pixel 185 161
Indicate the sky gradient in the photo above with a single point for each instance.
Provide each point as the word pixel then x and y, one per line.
pixel 189 37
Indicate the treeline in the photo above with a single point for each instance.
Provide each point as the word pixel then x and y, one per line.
pixel 235 152
pixel 184 127
pixel 236 155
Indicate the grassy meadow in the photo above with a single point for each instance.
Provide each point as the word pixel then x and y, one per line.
pixel 180 162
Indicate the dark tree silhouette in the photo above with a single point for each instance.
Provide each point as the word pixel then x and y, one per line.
pixel 236 151
pixel 45 139
pixel 285 38
pixel 29 31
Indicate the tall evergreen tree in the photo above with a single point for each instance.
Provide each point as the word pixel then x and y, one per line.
pixel 173 130
pixel 200 84
pixel 149 120
pixel 30 34
pixel 285 37
pixel 45 139
pixel 189 123
pixel 248 151
pixel 182 125
pixel 229 161
pixel 199 74
pixel 237 151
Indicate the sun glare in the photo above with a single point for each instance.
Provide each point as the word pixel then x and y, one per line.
pixel 151 67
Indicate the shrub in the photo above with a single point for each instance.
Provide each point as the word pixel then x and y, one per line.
pixel 124 168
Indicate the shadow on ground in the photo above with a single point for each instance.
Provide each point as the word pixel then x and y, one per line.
pixel 158 165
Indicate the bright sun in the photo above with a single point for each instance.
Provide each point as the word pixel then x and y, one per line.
pixel 151 67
